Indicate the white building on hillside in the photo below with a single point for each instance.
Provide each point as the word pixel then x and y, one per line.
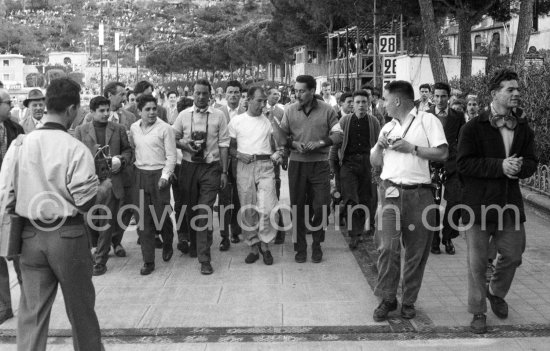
pixel 490 36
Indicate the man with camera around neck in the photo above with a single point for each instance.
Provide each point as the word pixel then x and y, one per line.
pixel 202 135
pixel 95 135
pixel 404 148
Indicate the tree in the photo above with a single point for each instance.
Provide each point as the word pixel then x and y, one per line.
pixel 525 25
pixel 431 34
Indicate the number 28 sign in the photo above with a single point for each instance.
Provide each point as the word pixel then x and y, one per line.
pixel 387 45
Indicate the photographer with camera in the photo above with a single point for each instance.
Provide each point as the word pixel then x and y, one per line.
pixel 404 148
pixel 444 173
pixel 95 136
pixel 155 149
pixel 203 137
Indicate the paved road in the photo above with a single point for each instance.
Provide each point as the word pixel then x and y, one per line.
pixel 302 306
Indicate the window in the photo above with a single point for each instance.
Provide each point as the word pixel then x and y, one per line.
pixel 477 43
pixel 6 76
pixel 494 48
pixel 6 63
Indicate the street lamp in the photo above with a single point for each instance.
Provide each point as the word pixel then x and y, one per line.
pixel 117 48
pixel 137 63
pixel 101 43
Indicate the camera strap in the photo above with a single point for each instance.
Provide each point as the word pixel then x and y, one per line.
pixel 193 122
pixel 406 130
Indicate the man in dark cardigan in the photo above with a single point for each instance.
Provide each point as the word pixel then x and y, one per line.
pixel 495 150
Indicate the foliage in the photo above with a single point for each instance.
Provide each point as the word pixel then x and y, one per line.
pixel 35 80
pixel 535 88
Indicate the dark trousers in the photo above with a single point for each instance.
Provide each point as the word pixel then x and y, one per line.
pixel 311 178
pixel 118 230
pixel 277 171
pixel 510 244
pixel 226 197
pixel 48 259
pixel 356 185
pixel 182 224
pixel 199 184
pixel 452 194
pixel 5 292
pixel 155 203
pixel 401 223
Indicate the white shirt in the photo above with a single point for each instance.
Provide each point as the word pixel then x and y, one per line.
pixel 253 134
pixel 425 131
pixel 331 101
pixel 155 147
pixel 55 173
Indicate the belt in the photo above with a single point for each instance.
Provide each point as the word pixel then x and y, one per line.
pixel 260 158
pixel 76 220
pixel 411 186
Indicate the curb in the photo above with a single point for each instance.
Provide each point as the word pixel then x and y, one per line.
pixel 536 199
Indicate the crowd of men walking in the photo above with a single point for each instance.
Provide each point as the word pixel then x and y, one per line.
pixel 387 157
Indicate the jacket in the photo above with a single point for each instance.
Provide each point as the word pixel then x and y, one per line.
pixel 339 150
pixel 455 121
pixel 479 162
pixel 13 129
pixel 117 139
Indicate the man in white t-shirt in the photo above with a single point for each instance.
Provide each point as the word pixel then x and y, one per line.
pixel 404 149
pixel 251 132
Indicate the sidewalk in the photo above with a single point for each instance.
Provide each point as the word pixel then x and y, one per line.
pixel 300 306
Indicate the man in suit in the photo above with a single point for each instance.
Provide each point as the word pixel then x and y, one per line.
pixel 146 88
pixel 35 103
pixel 228 196
pixel 495 150
pixel 9 130
pixel 452 122
pixel 95 135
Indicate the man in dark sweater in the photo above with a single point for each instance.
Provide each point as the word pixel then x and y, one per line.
pixel 313 127
pixel 495 150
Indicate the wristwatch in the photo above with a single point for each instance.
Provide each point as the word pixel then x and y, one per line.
pixel 415 151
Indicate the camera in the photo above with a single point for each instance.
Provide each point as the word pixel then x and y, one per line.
pixel 392 140
pixel 103 163
pixel 198 142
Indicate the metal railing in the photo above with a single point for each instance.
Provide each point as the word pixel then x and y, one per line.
pixel 539 181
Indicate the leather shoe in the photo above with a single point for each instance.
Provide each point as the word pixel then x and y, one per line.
pixel 479 324
pixel 498 305
pixel 353 243
pixel 316 254
pixel 435 250
pixel 449 247
pixel 158 242
pixel 167 252
pixel 280 238
pixel 6 315
pixel 147 268
pixel 235 239
pixel 385 307
pixel 206 268
pixel 408 311
pixel 251 258
pixel 183 246
pixel 119 251
pixel 99 269
pixel 301 256
pixel 224 245
pixel 268 258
